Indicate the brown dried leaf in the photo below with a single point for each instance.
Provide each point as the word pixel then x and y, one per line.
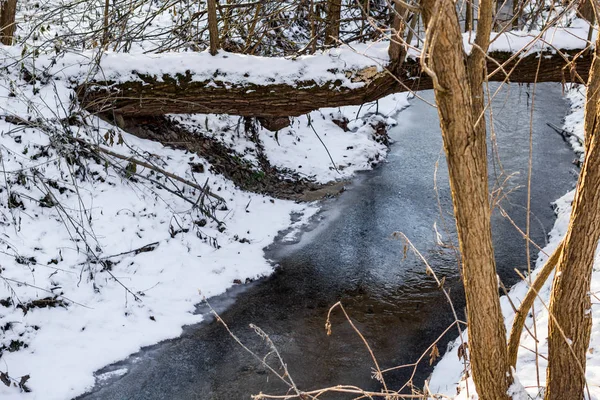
pixel 434 355
pixel 462 351
pixel 328 327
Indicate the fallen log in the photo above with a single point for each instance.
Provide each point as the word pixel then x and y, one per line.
pixel 183 93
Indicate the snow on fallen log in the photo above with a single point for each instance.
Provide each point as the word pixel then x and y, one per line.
pixel 183 94
pixel 237 84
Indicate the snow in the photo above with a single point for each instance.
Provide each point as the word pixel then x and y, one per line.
pixel 109 324
pixel 113 300
pixel 244 69
pixel 224 68
pixel 553 39
pixel 307 144
pixel 316 69
pixel 108 311
pixel 447 378
pixel 352 152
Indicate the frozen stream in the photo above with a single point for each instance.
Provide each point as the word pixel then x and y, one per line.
pixel 350 256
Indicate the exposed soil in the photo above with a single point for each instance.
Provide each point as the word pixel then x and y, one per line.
pixel 262 178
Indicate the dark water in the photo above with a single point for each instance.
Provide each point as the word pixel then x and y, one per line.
pixel 350 256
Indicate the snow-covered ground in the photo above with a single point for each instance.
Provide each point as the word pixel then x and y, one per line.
pixel 448 379
pixel 100 257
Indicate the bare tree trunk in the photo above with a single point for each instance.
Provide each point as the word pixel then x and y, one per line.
pixel 226 17
pixel 570 305
pixel 332 31
pixel 585 9
pixel 459 97
pixel 213 30
pixel 469 16
pixel 105 25
pixel 517 9
pixel 396 51
pixel 8 11
pixel 252 25
pixel 592 99
pixel 313 27
pixel 477 69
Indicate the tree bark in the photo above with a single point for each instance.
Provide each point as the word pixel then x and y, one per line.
pixel 332 31
pixel 396 51
pixel 459 97
pixel 570 301
pixel 105 26
pixel 171 94
pixel 592 98
pixel 213 30
pixel 8 11
pixel 585 9
pixel 469 15
pixel 517 8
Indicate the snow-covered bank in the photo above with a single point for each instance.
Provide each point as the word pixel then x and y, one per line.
pixel 101 256
pixel 447 378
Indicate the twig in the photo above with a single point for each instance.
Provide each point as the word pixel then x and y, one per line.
pixel 151 167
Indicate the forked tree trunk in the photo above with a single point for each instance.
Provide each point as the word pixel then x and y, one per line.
pixel 332 31
pixel 466 154
pixel 570 301
pixel 8 11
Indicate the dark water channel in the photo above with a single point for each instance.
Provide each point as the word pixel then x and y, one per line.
pixel 350 256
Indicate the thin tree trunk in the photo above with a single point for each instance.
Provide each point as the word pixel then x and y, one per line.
pixel 459 97
pixel 332 31
pixel 585 9
pixel 517 8
pixel 570 303
pixel 412 30
pixel 592 99
pixel 313 27
pixel 469 16
pixel 477 69
pixel 366 6
pixel 8 11
pixel 105 25
pixel 213 30
pixel 396 51
pixel 226 17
